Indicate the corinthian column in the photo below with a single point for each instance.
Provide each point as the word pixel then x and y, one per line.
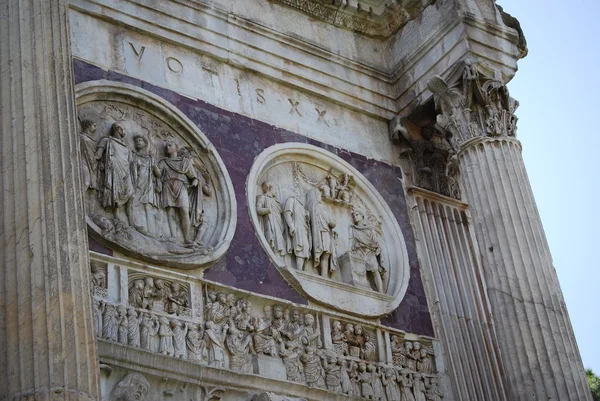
pixel 537 345
pixel 47 348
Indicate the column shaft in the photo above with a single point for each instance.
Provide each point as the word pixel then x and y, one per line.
pixel 538 347
pixel 47 347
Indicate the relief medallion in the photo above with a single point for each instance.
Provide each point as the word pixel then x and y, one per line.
pixel 328 230
pixel 156 189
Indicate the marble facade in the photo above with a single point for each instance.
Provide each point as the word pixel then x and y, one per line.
pixel 283 200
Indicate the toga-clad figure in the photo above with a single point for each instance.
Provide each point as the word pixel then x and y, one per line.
pixel 271 222
pixel 322 232
pixel 87 145
pixel 114 171
pixel 176 174
pixel 298 225
pixel 144 180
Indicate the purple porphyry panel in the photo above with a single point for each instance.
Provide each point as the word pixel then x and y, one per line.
pixel 238 140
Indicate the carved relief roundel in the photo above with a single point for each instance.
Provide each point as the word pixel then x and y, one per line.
pixel 155 187
pixel 328 230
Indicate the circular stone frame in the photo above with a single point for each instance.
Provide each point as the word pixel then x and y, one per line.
pixel 328 292
pixel 118 92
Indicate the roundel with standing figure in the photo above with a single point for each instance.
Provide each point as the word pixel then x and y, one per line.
pixel 155 187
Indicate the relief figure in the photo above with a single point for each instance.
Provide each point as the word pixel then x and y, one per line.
pixel 114 172
pixel 87 145
pixel 297 220
pixel 270 217
pixel 322 232
pixel 366 243
pixel 145 186
pixel 176 174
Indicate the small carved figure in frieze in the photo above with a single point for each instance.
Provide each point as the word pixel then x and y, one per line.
pixel 433 391
pixel 369 351
pixel 89 164
pixel 176 174
pixel 123 324
pixel 314 373
pixel 294 327
pixel 98 306
pixel 297 220
pixel 340 344
pixel 110 323
pixel 264 342
pixel 217 312
pixel 98 275
pixel 239 345
pixel 149 290
pixel 133 387
pixel 378 392
pixel 419 387
pixel 231 306
pixel 392 390
pixel 133 328
pixel 114 173
pixel 165 334
pixel 366 243
pixel 216 348
pixel 333 374
pixel 311 335
pixel 136 295
pixel 355 379
pixel 322 233
pixel 346 381
pixel 279 323
pixel 356 342
pixel 270 217
pixel 147 326
pixel 290 354
pixel 179 333
pixel 177 299
pixel 161 291
pixel 195 343
pixel 148 330
pixel 411 359
pixel 398 351
pixel 365 378
pixel 406 384
pixel 424 364
pixel 144 182
pixel 350 340
pixel 415 355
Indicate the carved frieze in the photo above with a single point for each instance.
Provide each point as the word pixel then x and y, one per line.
pixel 247 334
pixel 369 17
pixel 155 187
pixel 328 230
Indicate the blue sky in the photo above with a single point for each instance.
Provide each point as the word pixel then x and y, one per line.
pixel 558 86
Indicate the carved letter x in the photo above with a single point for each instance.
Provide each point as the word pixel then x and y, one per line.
pixel 294 107
pixel 322 116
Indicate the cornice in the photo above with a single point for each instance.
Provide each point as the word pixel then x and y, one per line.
pixel 370 89
pixel 377 18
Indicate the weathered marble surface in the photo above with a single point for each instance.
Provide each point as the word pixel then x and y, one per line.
pixel 155 187
pixel 48 350
pixel 246 265
pixel 238 334
pixel 327 229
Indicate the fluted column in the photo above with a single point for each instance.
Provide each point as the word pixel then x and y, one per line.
pixel 537 344
pixel 47 347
